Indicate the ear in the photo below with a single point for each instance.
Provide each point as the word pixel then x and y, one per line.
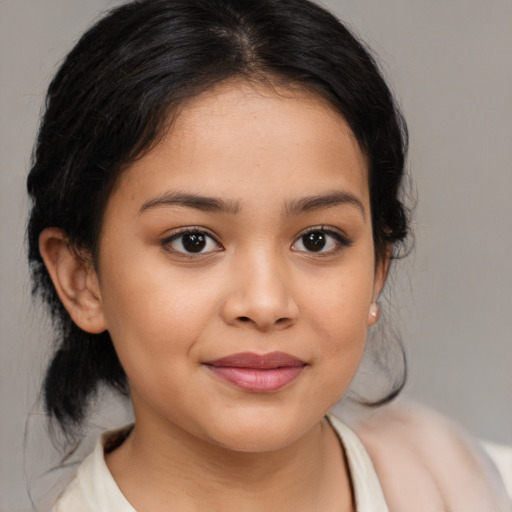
pixel 75 280
pixel 381 274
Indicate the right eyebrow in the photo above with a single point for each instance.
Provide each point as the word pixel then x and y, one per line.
pixel 202 203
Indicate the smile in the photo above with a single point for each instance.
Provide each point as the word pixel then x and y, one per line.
pixel 257 373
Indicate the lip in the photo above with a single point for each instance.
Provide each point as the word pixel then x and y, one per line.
pixel 262 373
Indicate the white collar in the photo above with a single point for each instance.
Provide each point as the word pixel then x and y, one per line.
pixel 368 494
pixel 95 485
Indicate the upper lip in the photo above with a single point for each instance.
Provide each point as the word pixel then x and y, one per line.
pixel 261 361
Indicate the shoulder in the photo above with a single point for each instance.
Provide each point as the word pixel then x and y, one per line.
pixel 74 498
pixel 502 459
pixel 94 488
pixel 421 457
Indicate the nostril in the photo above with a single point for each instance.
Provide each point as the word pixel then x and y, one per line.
pixel 244 319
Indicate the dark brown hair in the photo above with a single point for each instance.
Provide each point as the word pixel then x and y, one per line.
pixel 114 92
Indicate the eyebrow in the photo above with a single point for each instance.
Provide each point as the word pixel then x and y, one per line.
pixel 215 204
pixel 323 201
pixel 202 203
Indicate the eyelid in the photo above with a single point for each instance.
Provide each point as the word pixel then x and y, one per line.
pixel 176 233
pixel 188 229
pixel 342 239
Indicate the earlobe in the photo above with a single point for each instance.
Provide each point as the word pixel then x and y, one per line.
pixel 75 280
pixel 373 314
pixel 381 274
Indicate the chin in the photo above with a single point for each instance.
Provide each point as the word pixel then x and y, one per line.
pixel 258 432
pixel 258 442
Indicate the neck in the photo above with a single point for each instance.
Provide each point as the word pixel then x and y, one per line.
pixel 156 468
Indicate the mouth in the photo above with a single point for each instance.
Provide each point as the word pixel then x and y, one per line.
pixel 257 373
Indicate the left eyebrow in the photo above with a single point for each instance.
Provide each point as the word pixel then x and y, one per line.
pixel 323 201
pixel 202 203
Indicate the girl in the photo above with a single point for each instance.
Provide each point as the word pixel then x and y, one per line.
pixel 216 202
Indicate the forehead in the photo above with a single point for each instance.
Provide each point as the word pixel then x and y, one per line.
pixel 243 140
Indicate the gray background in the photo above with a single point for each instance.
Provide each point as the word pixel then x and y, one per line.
pixel 450 62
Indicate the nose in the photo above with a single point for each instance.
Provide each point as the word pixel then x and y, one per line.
pixel 260 296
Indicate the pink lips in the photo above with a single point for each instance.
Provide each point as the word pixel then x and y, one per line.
pixel 258 373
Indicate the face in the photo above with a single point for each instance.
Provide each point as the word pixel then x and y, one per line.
pixel 236 268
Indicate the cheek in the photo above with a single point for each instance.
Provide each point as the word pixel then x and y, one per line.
pixel 342 301
pixel 338 313
pixel 152 312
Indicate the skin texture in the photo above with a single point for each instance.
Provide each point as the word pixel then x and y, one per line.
pixel 200 442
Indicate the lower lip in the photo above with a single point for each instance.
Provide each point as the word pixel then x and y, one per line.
pixel 256 379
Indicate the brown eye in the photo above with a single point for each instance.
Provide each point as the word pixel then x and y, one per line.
pixel 314 241
pixel 322 241
pixel 194 242
pixel 191 242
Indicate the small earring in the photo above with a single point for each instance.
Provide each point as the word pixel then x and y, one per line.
pixel 374 312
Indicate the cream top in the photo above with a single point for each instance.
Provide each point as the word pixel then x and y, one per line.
pixel 95 490
pixel 458 484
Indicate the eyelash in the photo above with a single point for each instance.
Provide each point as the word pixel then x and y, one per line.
pixel 341 241
pixel 167 242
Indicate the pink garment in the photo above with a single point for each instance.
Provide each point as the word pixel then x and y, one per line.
pixel 426 463
pixel 402 458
